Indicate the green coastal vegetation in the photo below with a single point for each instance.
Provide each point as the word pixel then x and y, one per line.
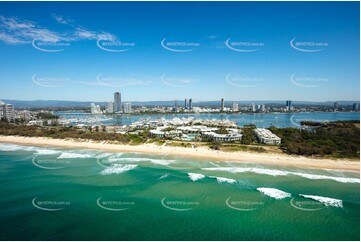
pixel 339 139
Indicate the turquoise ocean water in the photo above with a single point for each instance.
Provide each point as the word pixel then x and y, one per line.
pixel 64 194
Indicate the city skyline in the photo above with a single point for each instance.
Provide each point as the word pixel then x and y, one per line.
pixel 233 53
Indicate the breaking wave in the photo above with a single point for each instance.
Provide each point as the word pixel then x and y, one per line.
pixel 69 155
pixel 327 201
pixel 117 169
pixel 273 192
pixel 195 176
pixel 36 150
pixel 246 169
pixel 224 180
pixel 273 172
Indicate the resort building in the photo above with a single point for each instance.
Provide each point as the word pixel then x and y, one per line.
pixel 157 133
pixel 232 136
pixel 265 136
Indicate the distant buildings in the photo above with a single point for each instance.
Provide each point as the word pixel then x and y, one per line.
pixel 117 102
pixel 25 115
pixel 235 107
pixel 267 137
pixel 253 107
pixel 355 107
pixel 190 105
pixel 263 108
pixel 7 112
pixel 110 107
pixel 222 105
pixel 289 105
pixel 127 108
pixel 95 109
pixel 335 106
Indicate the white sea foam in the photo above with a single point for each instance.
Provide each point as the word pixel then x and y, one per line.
pixel 117 169
pixel 47 152
pixel 322 177
pixel 224 180
pixel 273 192
pixel 9 147
pixel 162 162
pixel 273 172
pixel 249 169
pixel 325 200
pixel 69 155
pixel 37 150
pixel 105 155
pixel 195 176
pixel 140 159
pixel 164 176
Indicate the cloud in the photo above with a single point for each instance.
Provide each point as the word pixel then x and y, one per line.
pixel 61 19
pixel 16 31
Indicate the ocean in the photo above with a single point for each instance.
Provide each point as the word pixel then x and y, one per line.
pixel 67 194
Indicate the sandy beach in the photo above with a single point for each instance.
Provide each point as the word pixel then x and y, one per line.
pixel 198 153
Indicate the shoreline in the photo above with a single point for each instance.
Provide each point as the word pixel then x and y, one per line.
pixel 198 153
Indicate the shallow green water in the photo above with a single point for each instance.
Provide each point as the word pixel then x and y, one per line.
pixel 58 194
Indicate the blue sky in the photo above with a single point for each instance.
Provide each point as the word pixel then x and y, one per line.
pixel 98 48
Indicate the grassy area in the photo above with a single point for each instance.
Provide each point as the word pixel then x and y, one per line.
pixel 239 147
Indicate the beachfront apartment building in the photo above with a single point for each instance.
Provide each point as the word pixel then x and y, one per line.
pixel 7 112
pixel 265 136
